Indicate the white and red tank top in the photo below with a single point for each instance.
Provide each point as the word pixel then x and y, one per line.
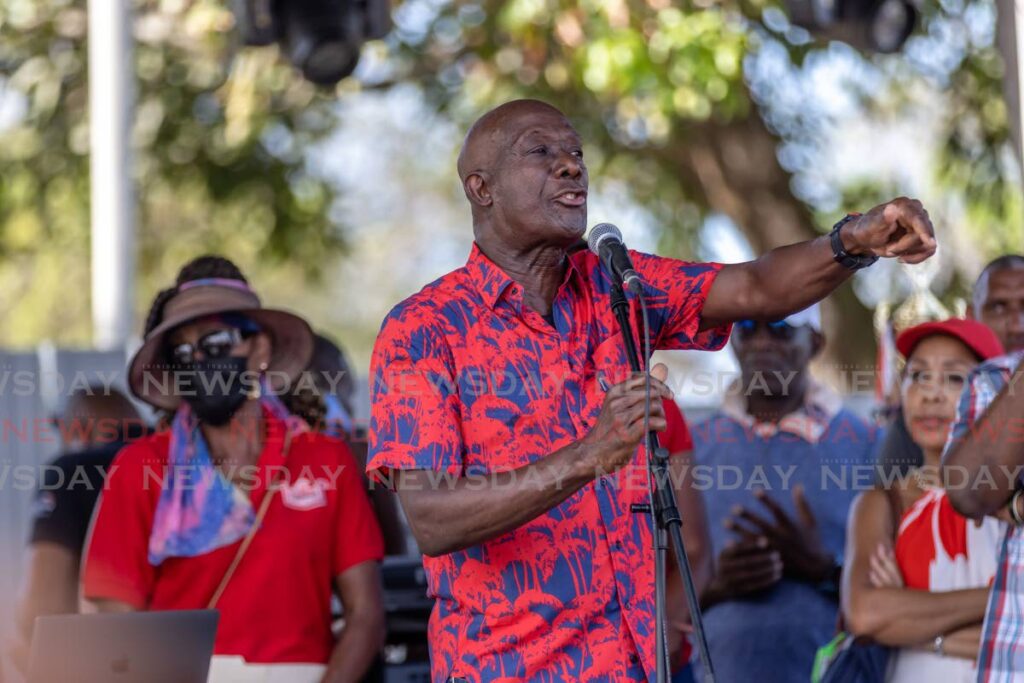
pixel 939 550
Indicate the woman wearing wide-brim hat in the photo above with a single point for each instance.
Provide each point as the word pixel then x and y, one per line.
pixel 238 506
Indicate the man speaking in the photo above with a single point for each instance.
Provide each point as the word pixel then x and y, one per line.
pixel 505 415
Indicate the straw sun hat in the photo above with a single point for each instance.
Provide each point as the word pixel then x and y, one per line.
pixel 291 338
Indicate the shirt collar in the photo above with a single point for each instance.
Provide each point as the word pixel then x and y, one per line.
pixel 809 421
pixel 491 281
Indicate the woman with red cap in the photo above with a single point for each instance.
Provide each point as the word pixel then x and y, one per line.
pixel 917 573
pixel 238 506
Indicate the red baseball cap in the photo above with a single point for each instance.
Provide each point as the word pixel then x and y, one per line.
pixel 976 336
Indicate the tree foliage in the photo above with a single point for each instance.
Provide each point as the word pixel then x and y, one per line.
pixel 219 140
pixel 674 99
pixel 633 75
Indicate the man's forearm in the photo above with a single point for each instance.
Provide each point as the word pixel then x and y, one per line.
pixel 359 644
pixel 793 277
pixel 104 605
pixel 446 516
pixel 783 281
pixel 790 279
pixel 981 466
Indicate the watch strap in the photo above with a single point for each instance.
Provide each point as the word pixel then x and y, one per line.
pixel 839 253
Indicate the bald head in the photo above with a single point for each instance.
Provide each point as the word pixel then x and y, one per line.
pixel 998 299
pixel 523 173
pixel 494 131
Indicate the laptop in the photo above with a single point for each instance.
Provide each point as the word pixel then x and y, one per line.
pixel 132 647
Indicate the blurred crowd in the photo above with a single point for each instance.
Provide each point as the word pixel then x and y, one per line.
pixel 812 530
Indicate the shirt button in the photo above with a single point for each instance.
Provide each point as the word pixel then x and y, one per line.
pixel 617 545
pixel 633 659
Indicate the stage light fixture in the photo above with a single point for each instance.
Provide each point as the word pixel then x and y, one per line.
pixel 322 38
pixel 868 25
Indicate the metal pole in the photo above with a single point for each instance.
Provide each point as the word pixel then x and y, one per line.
pixel 111 184
pixel 1009 37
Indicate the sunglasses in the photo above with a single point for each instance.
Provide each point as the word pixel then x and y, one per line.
pixel 214 345
pixel 778 329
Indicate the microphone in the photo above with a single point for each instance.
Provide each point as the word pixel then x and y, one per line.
pixel 605 240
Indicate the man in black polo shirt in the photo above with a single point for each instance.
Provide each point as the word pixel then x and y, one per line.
pixel 96 423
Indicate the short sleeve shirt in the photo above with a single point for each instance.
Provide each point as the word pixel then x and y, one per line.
pixel 277 606
pixel 466 380
pixel 67 495
pixel 773 635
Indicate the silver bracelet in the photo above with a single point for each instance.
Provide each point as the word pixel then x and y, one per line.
pixel 1014 513
pixel 939 650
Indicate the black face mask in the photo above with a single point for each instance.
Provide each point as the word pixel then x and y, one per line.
pixel 215 389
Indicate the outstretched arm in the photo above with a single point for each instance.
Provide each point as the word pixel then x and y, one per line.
pixel 791 278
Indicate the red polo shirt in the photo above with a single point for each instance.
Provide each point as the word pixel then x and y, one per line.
pixel 277 606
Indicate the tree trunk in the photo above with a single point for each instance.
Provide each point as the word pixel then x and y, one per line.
pixel 733 169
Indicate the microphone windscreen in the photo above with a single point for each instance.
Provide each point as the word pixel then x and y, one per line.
pixel 601 232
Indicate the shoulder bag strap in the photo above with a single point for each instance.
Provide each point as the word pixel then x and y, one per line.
pixel 257 522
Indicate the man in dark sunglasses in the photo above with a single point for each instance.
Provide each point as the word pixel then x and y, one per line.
pixel 778 532
pixel 777 329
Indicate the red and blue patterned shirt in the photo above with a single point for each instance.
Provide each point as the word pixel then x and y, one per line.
pixel 468 380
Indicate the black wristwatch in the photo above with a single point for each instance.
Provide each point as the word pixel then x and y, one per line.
pixel 839 253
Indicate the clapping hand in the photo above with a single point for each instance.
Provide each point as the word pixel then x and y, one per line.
pixel 797 541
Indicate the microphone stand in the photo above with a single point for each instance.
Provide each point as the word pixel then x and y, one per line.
pixel 667 522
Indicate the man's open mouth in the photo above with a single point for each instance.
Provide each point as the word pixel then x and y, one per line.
pixel 572 198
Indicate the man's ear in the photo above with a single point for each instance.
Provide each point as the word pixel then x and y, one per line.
pixel 477 189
